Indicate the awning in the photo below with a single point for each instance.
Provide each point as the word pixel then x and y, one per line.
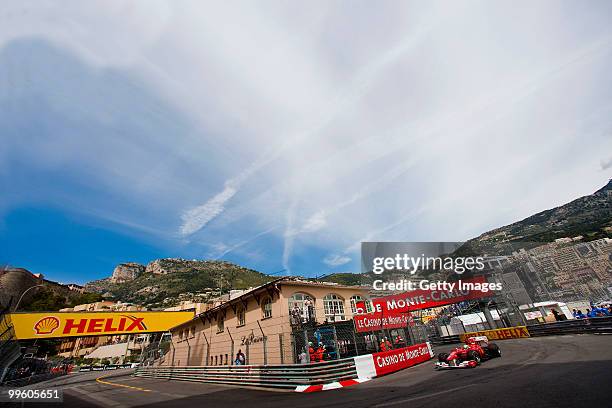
pixel 112 350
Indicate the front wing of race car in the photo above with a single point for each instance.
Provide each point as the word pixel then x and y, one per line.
pixel 452 365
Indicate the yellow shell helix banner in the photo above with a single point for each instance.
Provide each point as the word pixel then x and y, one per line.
pixel 77 324
pixel 515 332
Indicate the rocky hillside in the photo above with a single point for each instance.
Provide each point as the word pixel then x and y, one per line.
pixel 162 281
pixel 589 216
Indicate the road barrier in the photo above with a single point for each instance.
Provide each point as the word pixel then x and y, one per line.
pixel 274 376
pixel 593 325
pixel 33 379
pixel 292 376
pixel 596 325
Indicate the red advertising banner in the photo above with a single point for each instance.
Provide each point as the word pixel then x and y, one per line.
pixel 465 289
pixel 376 321
pixel 390 361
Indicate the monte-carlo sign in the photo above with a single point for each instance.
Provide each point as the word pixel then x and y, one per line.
pixel 78 324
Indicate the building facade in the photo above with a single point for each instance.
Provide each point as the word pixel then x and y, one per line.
pixel 260 323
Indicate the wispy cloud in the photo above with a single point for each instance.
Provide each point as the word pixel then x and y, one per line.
pixel 334 260
pixel 196 218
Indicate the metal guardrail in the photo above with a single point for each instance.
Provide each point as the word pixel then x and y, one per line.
pixel 437 340
pixel 594 325
pixel 574 326
pixel 33 379
pixel 102 368
pixel 273 376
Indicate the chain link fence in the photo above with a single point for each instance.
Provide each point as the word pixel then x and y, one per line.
pixel 316 343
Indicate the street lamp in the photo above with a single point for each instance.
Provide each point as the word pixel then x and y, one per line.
pixel 24 292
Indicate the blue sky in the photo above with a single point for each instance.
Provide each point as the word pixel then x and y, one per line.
pixel 280 136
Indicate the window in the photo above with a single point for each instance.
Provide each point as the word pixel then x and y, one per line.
pixel 266 307
pixel 358 298
pixel 240 316
pixel 220 323
pixel 333 305
pixel 354 299
pixel 301 307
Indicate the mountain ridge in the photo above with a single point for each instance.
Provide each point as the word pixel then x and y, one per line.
pixel 589 216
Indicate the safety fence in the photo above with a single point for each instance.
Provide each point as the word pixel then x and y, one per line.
pixel 341 340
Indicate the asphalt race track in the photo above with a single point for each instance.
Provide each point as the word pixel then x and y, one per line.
pixel 559 371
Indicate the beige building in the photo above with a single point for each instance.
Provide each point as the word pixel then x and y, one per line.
pixel 260 322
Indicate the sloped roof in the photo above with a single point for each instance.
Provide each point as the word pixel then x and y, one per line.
pixel 109 351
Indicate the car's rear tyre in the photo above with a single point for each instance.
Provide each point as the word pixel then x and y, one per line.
pixel 474 356
pixel 493 350
pixel 442 357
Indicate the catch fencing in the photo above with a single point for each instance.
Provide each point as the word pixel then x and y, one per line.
pixel 340 340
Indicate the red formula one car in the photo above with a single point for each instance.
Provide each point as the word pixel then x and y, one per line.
pixel 475 350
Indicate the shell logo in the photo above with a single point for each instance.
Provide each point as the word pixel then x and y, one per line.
pixel 46 325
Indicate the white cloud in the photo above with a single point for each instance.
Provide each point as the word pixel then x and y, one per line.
pixel 196 218
pixel 336 260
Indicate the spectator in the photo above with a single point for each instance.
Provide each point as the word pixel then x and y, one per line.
pixel 296 315
pixel 601 312
pixel 309 309
pixel 556 314
pixel 240 358
pixel 580 315
pixel 303 357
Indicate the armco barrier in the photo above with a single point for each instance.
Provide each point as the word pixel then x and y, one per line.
pixel 594 325
pixel 291 376
pixel 274 376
